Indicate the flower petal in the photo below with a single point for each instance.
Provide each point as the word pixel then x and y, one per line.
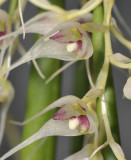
pixel 127 89
pixel 117 150
pixel 84 154
pixel 94 27
pixel 92 94
pixel 5 103
pixel 81 123
pixel 51 128
pixel 84 18
pixel 42 24
pixel 45 4
pixel 120 61
pixel 58 103
pixel 5 19
pixel 46 47
pixel 5 24
pixel 66 112
pixel 84 123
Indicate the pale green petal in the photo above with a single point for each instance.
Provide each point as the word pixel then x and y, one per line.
pixel 120 61
pixel 117 150
pixel 127 89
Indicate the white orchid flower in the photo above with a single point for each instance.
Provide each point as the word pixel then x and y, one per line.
pixel 85 154
pixel 124 62
pixel 72 119
pixel 67 15
pixel 5 24
pixel 5 28
pixel 68 41
pixel 41 24
pixel 6 97
pixel 44 22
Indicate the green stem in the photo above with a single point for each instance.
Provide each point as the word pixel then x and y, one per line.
pixel 39 96
pixel 98 44
pixel 12 7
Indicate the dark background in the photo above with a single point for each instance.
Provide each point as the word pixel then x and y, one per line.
pixel 19 78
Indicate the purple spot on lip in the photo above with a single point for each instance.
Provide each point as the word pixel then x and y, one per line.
pixel 60 114
pixel 57 37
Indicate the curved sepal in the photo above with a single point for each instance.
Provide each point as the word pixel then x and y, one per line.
pixel 6 97
pixel 85 153
pixel 59 44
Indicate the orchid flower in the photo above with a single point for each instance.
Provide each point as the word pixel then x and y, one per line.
pixel 44 22
pixel 67 41
pixel 6 97
pixel 67 15
pixel 85 153
pixel 124 62
pixel 72 119
pixel 41 24
pixel 5 28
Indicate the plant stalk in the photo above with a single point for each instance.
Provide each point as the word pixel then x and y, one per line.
pixel 98 58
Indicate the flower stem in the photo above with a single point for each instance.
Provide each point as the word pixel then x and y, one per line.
pixel 98 57
pixel 39 96
pixel 13 5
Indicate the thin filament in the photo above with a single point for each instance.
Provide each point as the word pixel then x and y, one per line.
pixel 21 17
pixel 59 71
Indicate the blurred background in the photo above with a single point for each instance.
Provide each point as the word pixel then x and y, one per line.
pixel 20 75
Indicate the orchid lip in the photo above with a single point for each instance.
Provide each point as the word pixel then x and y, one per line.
pixel 81 123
